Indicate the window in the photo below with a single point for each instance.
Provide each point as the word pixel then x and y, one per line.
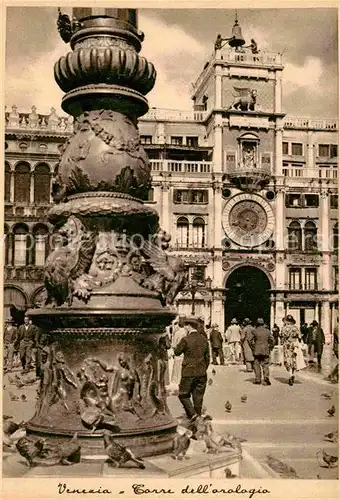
pixel 40 239
pixel 198 273
pixel 311 200
pixel 20 246
pixel 310 236
pixel 285 148
pixel 176 140
pixel 334 200
pixel 335 237
pixel 182 232
pixel 193 197
pixel 295 278
pixel 293 200
pixel 42 184
pixel 192 141
pixel 22 183
pixel 198 232
pixel 7 182
pixel 328 150
pixel 294 236
pixel 310 278
pixel 146 139
pixel 297 149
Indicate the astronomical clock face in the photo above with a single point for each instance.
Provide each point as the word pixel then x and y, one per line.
pixel 248 220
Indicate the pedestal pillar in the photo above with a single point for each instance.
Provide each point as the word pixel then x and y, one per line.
pixel 279 311
pixel 110 286
pixel 218 87
pixel 278 148
pixel 278 91
pixel 218 144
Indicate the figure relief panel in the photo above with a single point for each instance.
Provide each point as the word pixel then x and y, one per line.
pixel 261 94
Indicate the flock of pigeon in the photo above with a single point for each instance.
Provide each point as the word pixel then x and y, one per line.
pixel 43 452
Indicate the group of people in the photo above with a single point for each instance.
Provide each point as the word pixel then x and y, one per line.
pixel 27 340
pixel 192 347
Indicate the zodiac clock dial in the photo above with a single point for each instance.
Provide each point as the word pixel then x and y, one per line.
pixel 248 220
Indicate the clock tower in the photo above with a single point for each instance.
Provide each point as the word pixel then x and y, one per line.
pixel 240 89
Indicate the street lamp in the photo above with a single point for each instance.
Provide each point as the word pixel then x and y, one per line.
pixel 193 286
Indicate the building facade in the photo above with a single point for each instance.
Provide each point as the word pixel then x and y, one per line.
pixel 249 195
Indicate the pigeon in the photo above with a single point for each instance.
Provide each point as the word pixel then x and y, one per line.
pixel 23 398
pixel 244 399
pixel 281 468
pixel 325 395
pixel 213 372
pixel 332 437
pixel 13 397
pixel 118 454
pixel 228 407
pixel 181 445
pixel 229 474
pixel 6 417
pixel 330 460
pixel 30 449
pixel 66 453
pixel 331 411
pixel 210 381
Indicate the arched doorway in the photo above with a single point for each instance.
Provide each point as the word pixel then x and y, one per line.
pixel 247 295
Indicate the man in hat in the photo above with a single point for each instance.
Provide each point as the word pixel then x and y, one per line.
pixel 262 343
pixel 26 339
pixel 315 341
pixel 10 338
pixel 195 348
pixel 216 342
pixel 233 337
pixel 247 333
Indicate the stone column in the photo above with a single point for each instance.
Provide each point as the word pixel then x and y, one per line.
pixel 217 187
pixel 11 194
pixel 310 150
pixel 278 91
pixel 218 87
pixel 165 207
pixel 324 242
pixel 218 144
pixel 32 188
pixel 217 312
pixel 272 312
pixel 278 148
pixel 279 310
pixel 326 320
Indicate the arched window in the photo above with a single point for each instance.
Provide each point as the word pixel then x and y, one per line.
pixel 310 236
pixel 7 182
pixel 182 232
pixel 335 237
pixel 42 184
pixel 40 244
pixel 22 183
pixel 13 297
pixel 294 236
pixel 20 245
pixel 198 232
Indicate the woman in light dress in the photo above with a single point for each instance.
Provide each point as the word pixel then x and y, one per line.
pixel 179 332
pixel 291 336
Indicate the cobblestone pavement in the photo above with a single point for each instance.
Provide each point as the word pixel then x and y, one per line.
pixel 287 423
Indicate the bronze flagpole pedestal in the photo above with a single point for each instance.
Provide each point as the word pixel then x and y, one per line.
pixel 109 280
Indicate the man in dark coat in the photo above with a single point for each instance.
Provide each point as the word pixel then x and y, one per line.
pixel 25 340
pixel 262 343
pixel 10 338
pixel 315 341
pixel 216 342
pixel 246 336
pixel 195 348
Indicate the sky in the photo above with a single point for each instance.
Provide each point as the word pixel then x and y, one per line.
pixel 179 42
